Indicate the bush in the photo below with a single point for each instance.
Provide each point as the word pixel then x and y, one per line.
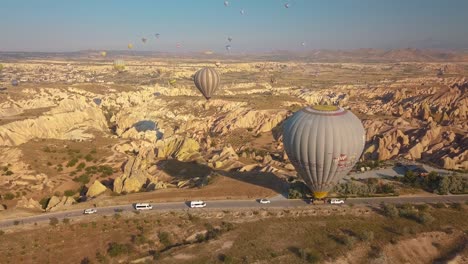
pixel 116 249
pixel 72 162
pixel 456 206
pixel 425 218
pixel 16 222
pixel 66 221
pixel 83 178
pixel 390 210
pixel 200 238
pixel 367 236
pixel 88 157
pixel 53 221
pixel 164 238
pixel 9 196
pixel 69 193
pixel 8 173
pixel 309 256
pixel 80 166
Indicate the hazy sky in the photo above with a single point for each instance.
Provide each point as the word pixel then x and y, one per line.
pixel 71 25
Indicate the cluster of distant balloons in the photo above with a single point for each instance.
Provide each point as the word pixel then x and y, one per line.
pixel 228 47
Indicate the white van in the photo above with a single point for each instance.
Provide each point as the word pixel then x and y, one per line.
pixel 143 206
pixel 194 204
pixel 337 201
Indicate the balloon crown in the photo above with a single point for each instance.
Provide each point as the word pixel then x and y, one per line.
pixel 325 109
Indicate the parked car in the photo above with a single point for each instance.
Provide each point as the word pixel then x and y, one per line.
pixel 264 201
pixel 336 201
pixel 90 211
pixel 143 206
pixel 194 204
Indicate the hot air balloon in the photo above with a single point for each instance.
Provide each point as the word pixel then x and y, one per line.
pixel 303 44
pixel 242 11
pixel 229 39
pixel 323 143
pixel 286 5
pixel 97 101
pixel 119 65
pixel 207 81
pixel 143 40
pixel 217 64
pixel 103 53
pixel 228 47
pixel 226 3
pixel 157 35
pixel 15 82
pixel 130 46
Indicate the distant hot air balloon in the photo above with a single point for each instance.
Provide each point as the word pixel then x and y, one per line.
pixel 207 80
pixel 242 11
pixel 323 143
pixel 15 82
pixel 226 3
pixel 286 5
pixel 303 44
pixel 143 40
pixel 228 47
pixel 229 39
pixel 97 101
pixel 103 53
pixel 130 46
pixel 119 65
pixel 157 35
pixel 217 64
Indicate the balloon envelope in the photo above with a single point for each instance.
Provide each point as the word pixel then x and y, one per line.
pixel 323 143
pixel 226 3
pixel 15 82
pixel 97 101
pixel 207 80
pixel 103 53
pixel 130 46
pixel 119 65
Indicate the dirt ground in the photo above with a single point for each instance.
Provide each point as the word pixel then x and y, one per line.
pixel 303 235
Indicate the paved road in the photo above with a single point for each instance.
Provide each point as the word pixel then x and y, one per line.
pixel 230 204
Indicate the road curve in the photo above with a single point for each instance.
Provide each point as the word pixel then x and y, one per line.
pixel 229 204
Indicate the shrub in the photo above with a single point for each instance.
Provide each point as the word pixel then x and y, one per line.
pixel 72 162
pixel 116 249
pixel 164 238
pixel 8 173
pixel 200 238
pixel 80 166
pixel 66 221
pixel 390 210
pixel 309 256
pixel 456 206
pixel 425 218
pixel 53 221
pixel 88 157
pixel 367 236
pixel 16 222
pixel 9 196
pixel 69 193
pixel 83 178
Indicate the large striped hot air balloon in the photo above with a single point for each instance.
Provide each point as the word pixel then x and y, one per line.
pixel 119 65
pixel 207 81
pixel 323 143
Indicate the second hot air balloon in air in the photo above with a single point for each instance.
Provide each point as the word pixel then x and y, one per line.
pixel 207 81
pixel 323 143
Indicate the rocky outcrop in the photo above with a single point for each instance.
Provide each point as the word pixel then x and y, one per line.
pixel 227 159
pixel 136 173
pixel 96 189
pixel 58 203
pixel 180 148
pixel 69 121
pixel 28 203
